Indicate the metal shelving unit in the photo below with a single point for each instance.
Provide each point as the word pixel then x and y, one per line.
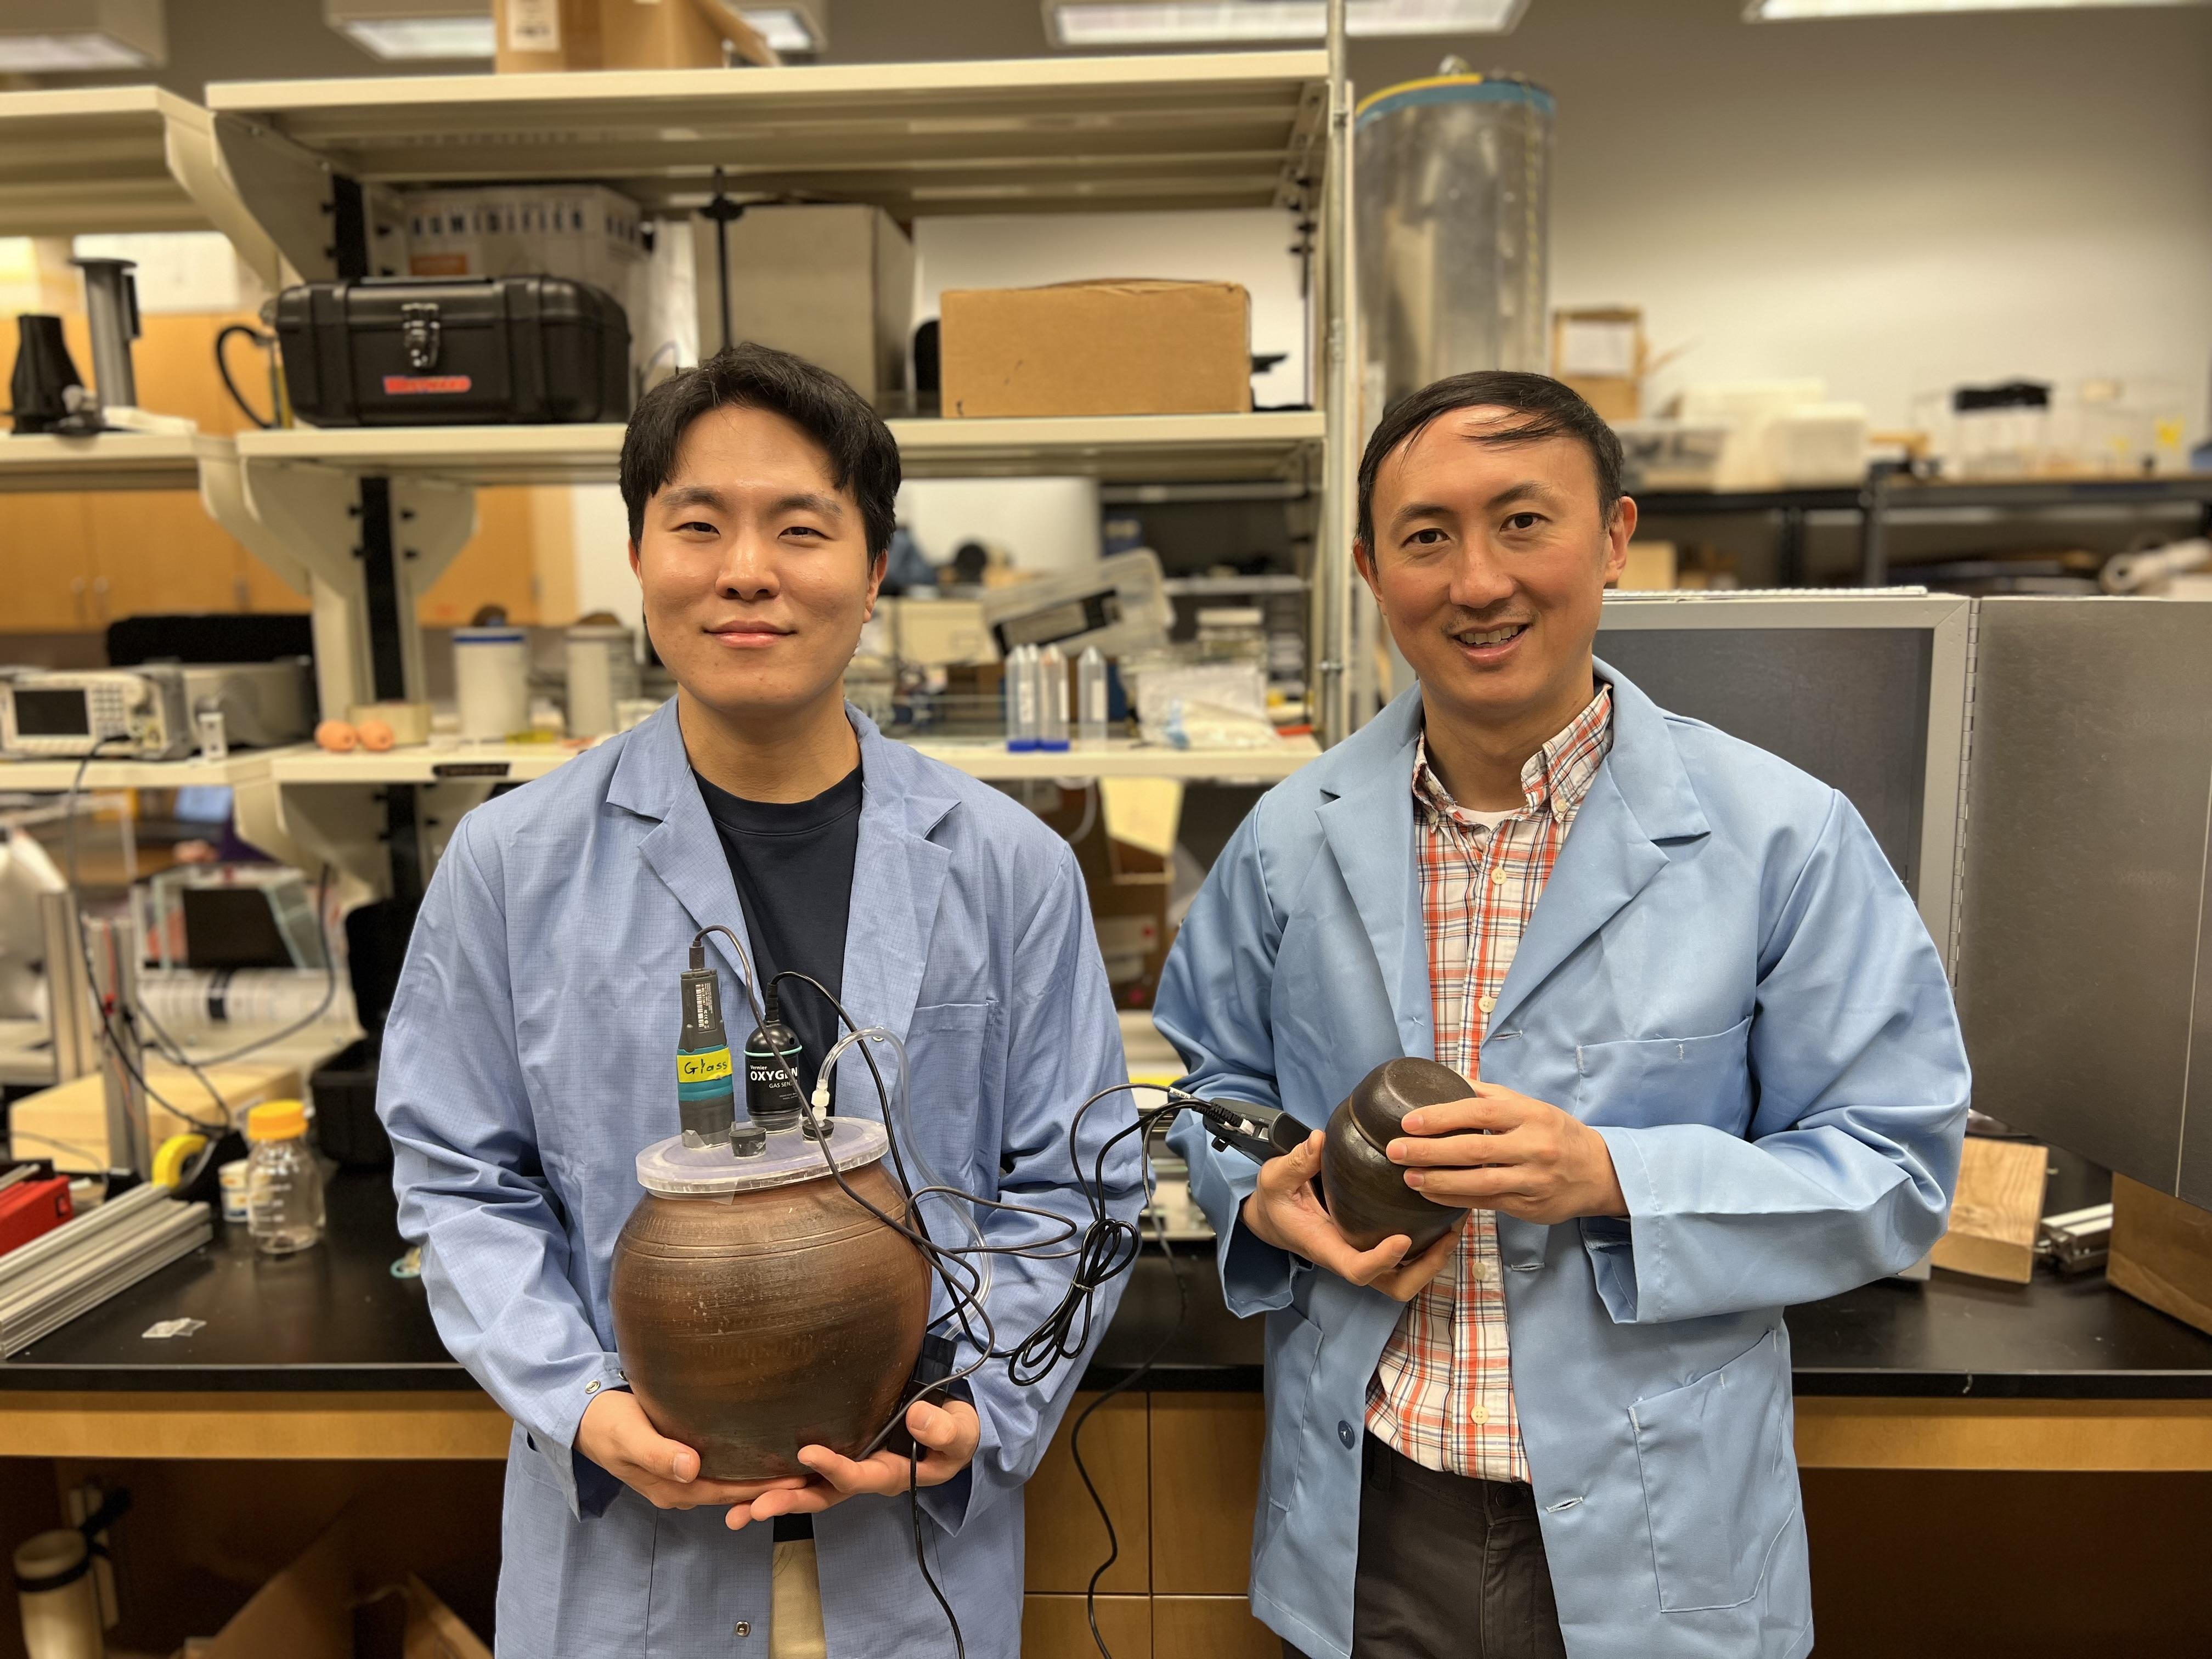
pixel 1888 496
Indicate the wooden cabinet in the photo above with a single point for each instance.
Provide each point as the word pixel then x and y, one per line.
pixel 1180 1473
pixel 1206 1480
pixel 46 564
pixel 519 559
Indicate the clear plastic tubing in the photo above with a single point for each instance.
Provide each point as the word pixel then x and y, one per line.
pixel 1022 720
pixel 939 1204
pixel 1052 699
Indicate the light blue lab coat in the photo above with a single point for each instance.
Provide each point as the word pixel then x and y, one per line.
pixel 531 1052
pixel 1723 977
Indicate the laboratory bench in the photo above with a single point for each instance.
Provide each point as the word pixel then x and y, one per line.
pixel 329 1358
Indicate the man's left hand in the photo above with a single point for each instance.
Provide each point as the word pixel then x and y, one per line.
pixel 947 1435
pixel 1504 1151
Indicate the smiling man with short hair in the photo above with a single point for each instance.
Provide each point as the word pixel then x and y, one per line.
pixel 531 1052
pixel 1714 1071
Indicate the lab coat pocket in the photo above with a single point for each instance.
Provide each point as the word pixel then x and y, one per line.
pixel 959 1076
pixel 1719 1485
pixel 1645 1081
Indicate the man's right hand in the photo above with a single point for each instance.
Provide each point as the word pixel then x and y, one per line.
pixel 1283 1211
pixel 616 1434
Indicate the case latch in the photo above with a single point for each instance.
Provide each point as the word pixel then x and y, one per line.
pixel 419 332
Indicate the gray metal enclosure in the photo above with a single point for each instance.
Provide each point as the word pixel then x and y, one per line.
pixel 2085 971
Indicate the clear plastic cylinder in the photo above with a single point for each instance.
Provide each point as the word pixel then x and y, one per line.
pixel 61 1619
pixel 1453 182
pixel 1052 698
pixel 1090 698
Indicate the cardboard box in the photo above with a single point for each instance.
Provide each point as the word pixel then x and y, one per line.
pixel 351 1594
pixel 848 306
pixel 1649 570
pixel 621 34
pixel 2161 1251
pixel 1133 347
pixel 1600 351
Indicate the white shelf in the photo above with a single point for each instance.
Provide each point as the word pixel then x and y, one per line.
pixel 111 460
pixel 93 159
pixel 1124 759
pixel 1122 447
pixel 979 759
pixel 57 776
pixel 1207 587
pixel 484 763
pixel 1175 131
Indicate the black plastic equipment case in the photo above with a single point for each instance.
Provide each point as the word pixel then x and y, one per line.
pixel 453 351
pixel 346 1124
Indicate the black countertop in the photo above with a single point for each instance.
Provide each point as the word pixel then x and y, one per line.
pixel 335 1318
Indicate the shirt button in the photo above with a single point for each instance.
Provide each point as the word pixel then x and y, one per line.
pixel 1497 877
pixel 1484 1273
pixel 1480 1414
pixel 743 1627
pixel 1485 1003
pixel 592 1387
pixel 1344 1433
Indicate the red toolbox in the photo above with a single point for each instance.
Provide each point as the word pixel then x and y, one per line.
pixel 34 1202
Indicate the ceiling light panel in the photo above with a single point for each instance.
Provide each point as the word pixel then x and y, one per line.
pixel 1782 11
pixel 56 37
pixel 1179 22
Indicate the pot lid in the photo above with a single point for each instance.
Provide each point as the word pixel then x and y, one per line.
pixel 1379 1104
pixel 673 1169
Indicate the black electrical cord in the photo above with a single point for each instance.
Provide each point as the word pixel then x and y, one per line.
pixel 214 1132
pixel 221 367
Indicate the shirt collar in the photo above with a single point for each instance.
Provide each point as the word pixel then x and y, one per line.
pixel 1556 778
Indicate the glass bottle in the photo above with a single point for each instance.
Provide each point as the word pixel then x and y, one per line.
pixel 283 1182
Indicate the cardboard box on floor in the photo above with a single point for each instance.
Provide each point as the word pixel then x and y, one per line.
pixel 1122 347
pixel 353 1594
pixel 621 34
pixel 1600 351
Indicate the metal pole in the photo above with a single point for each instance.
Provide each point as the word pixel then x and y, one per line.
pixel 68 992
pixel 1340 416
pixel 115 983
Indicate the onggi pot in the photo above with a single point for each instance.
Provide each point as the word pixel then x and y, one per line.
pixel 1367 1194
pixel 759 1309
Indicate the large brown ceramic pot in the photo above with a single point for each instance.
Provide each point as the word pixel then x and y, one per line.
pixel 756 1321
pixel 1367 1194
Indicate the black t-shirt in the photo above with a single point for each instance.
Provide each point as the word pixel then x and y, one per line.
pixel 793 865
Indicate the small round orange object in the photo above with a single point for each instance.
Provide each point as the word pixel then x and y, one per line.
pixel 337 736
pixel 376 735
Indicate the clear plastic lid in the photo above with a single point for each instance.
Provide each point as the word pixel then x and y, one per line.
pixel 673 1169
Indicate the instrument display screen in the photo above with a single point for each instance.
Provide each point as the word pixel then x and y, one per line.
pixel 55 714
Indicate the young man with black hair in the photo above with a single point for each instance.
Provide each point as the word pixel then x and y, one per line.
pixel 531 1054
pixel 1714 1067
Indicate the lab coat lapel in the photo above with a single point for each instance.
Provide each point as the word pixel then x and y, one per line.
pixel 1369 825
pixel 1641 800
pixel 653 779
pixel 898 874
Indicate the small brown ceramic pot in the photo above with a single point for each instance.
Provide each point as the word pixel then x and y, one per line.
pixel 1367 1194
pixel 754 1323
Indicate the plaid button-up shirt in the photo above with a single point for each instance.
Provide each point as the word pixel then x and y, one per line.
pixel 1442 1392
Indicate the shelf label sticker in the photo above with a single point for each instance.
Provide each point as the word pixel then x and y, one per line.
pixel 409 385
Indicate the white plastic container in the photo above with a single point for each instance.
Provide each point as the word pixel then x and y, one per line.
pixel 1052 699
pixel 1090 698
pixel 1023 717
pixel 1818 445
pixel 491 681
pixel 61 1620
pixel 602 674
pixel 232 1176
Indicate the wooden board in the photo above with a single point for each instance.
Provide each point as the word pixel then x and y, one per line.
pixel 1206 1480
pixel 1860 1432
pixel 1067 1541
pixel 1995 1213
pixel 76 1112
pixel 2161 1251
pixel 381 1426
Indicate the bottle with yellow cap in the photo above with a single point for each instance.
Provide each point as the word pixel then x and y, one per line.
pixel 283 1182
